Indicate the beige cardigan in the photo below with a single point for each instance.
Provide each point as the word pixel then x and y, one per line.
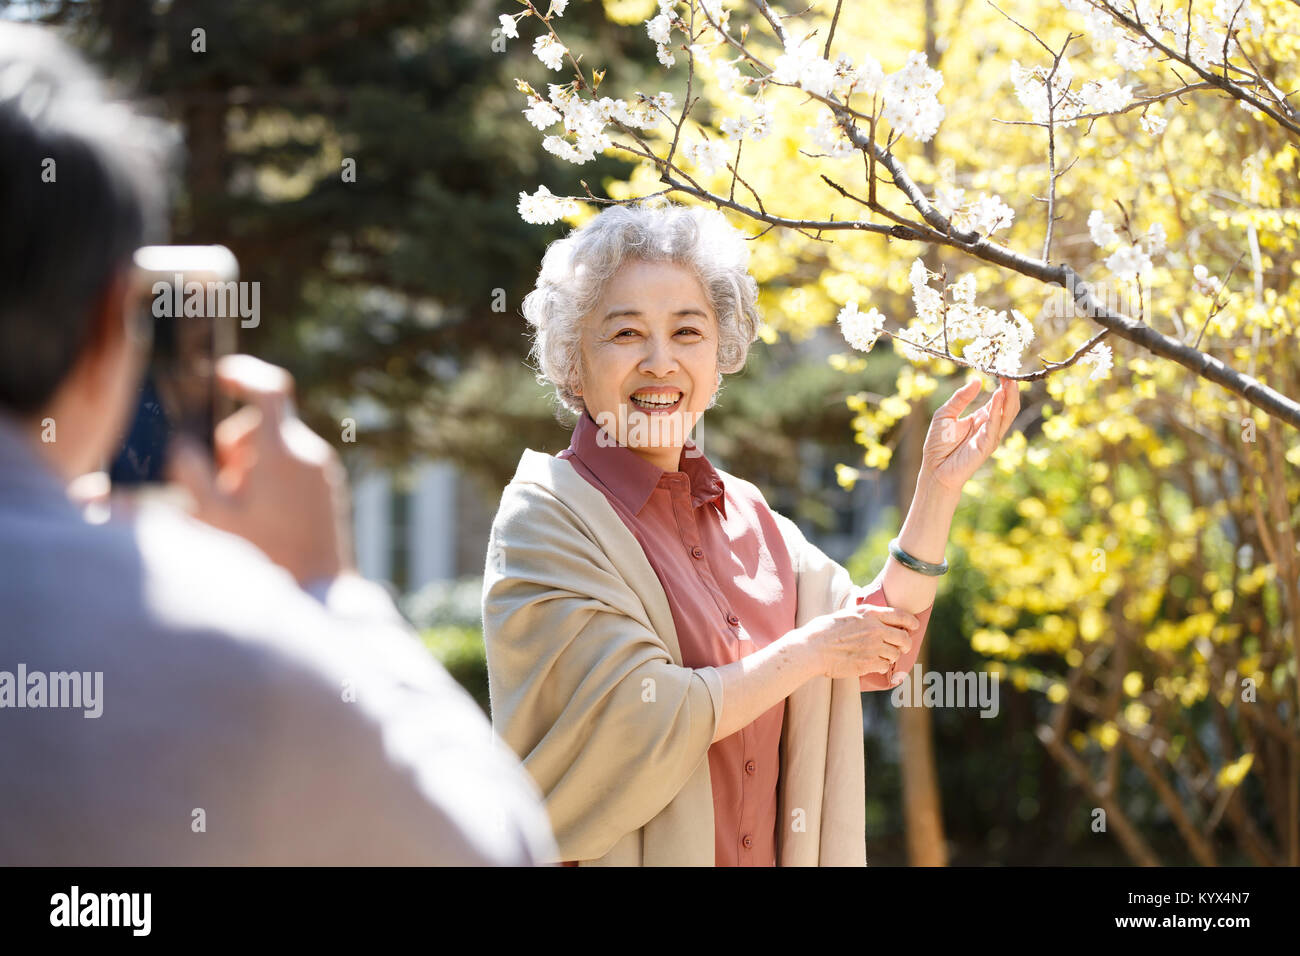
pixel 587 687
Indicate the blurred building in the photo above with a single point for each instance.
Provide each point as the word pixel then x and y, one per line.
pixel 423 523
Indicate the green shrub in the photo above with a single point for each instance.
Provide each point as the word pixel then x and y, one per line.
pixel 460 649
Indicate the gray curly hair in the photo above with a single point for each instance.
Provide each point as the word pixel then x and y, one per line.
pixel 576 269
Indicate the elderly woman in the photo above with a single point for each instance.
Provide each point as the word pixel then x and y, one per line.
pixel 675 664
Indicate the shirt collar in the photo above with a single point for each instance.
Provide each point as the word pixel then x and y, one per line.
pixel 631 478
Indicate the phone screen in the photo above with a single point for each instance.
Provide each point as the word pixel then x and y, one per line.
pixel 188 289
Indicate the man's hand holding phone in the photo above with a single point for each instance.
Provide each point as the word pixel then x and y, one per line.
pixel 274 482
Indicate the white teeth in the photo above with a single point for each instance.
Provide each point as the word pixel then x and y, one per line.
pixel 661 400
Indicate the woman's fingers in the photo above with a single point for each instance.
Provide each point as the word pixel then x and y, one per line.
pixel 1012 409
pixel 898 639
pixel 992 432
pixel 980 413
pixel 895 641
pixel 959 399
pixel 890 615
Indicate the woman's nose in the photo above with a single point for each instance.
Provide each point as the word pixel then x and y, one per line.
pixel 660 360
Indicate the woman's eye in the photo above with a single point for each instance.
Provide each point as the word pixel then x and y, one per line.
pixel 625 332
pixel 688 332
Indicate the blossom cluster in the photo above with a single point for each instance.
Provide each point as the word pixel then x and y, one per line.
pixel 542 208
pixel 994 340
pixel 660 26
pixel 983 214
pixel 708 155
pixel 754 123
pixel 802 66
pixel 1204 38
pixel 906 99
pixel 510 22
pixel 1128 260
pixel 860 329
pixel 911 99
pixel 586 120
pixel 1101 360
pixel 1039 88
pixel 910 102
pixel 1206 284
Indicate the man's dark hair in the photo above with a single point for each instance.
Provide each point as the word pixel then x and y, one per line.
pixel 81 187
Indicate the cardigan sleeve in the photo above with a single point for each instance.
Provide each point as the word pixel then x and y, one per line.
pixel 581 686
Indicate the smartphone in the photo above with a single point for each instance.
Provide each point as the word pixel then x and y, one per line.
pixel 184 294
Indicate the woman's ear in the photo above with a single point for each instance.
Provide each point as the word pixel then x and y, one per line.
pixel 717 390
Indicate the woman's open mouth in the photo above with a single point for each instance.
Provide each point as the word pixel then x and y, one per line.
pixel 657 401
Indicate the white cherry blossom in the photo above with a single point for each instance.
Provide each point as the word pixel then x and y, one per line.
pixel 542 114
pixel 828 136
pixel 860 329
pixel 708 155
pixel 1104 96
pixel 912 106
pixel 1128 261
pixel 1156 239
pixel 1031 88
pixel 1152 122
pixel 1102 232
pixel 1100 358
pixel 659 28
pixel 550 51
pixel 1206 284
pixel 543 208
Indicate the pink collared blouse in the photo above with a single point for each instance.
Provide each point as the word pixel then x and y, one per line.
pixel 731 587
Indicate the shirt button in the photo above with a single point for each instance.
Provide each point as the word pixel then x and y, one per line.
pixel 733 620
pixel 750 766
pixel 697 552
pixel 748 841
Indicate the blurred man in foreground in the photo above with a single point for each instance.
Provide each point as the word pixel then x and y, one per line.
pixel 241 695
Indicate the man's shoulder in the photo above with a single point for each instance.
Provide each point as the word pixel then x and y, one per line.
pixel 201 579
pixel 213 606
pixel 172 594
pixel 197 577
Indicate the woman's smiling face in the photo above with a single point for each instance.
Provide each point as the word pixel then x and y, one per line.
pixel 650 359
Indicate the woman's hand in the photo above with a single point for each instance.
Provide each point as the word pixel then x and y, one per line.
pixel 956 447
pixel 860 639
